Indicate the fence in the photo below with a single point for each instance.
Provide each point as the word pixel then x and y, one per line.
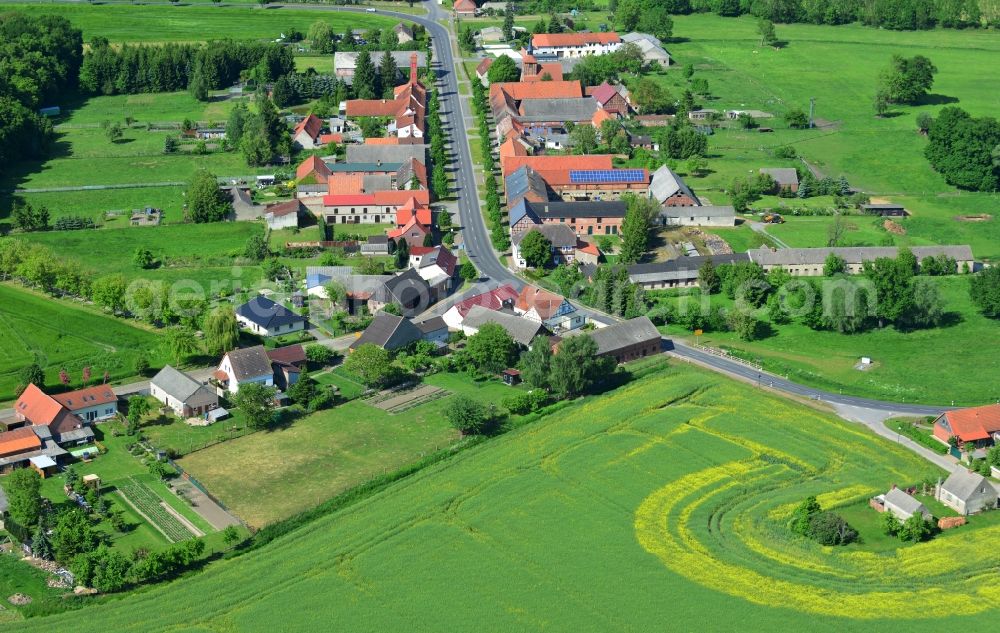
pixel 721 353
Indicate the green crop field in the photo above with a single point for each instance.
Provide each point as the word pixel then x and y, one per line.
pixel 271 475
pixel 63 335
pixel 195 23
pixel 659 506
pixel 908 366
pixel 839 66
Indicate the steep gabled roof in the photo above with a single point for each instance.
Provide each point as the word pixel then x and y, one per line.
pixel 976 423
pixel 311 125
pixel 522 330
pixel 559 235
pixel 666 183
pixel 603 93
pixel 492 300
pixel 964 484
pixel 249 362
pixel 37 407
pixel 518 90
pixel 624 334
pixel 412 208
pixel 176 383
pixel 546 163
pixel 544 303
pixel 312 165
pixel 287 355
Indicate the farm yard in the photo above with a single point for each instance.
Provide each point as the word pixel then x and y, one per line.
pixel 270 475
pixel 678 484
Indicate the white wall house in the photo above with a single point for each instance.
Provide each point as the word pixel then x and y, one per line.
pixel 242 366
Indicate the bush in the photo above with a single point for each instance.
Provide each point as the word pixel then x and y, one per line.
pixel 829 528
pixel 523 403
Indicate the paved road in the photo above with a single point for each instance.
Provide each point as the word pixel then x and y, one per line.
pixel 740 370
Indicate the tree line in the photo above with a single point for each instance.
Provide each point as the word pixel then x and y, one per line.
pixel 132 69
pixel 898 15
pixel 40 57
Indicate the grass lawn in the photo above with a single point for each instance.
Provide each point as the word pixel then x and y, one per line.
pixel 682 482
pixel 279 237
pixel 272 475
pixel 839 66
pixel 18 577
pixel 741 238
pixel 196 22
pixel 200 253
pixel 908 367
pixel 347 385
pixel 64 335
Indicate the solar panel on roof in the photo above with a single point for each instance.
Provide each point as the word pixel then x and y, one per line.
pixel 606 175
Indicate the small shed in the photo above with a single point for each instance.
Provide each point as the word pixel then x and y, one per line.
pixel 43 465
pixel 511 376
pixel 903 505
pixel 92 481
pixel 887 209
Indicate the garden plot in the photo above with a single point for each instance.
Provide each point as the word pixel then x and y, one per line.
pixel 144 501
pixel 397 402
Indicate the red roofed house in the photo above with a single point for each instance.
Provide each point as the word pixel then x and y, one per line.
pixel 600 117
pixel 588 253
pixel 374 208
pixel 500 298
pixel 307 132
pixel 382 140
pixel 326 139
pixel 345 184
pixel 465 7
pixel 549 163
pixel 407 108
pixel 413 209
pixel 483 69
pixel 312 171
pixel 551 310
pixel 533 70
pixel 284 215
pixel 574 44
pixel 609 99
pixel 978 425
pixel 414 233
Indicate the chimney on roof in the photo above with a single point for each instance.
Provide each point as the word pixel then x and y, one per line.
pixel 413 68
pixel 378 161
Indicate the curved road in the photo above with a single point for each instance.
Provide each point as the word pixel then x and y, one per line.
pixel 477 239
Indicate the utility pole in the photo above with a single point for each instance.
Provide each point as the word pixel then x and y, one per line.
pixel 812 111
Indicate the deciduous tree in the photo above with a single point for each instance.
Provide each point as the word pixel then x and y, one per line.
pixel 256 402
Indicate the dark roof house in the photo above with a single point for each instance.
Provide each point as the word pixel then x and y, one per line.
pixel 389 331
pixel 267 314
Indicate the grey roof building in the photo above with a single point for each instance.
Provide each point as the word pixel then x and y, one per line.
pixel 382 154
pixel 651 47
pixel 809 261
pixel 698 216
pixel 680 272
pixel 389 331
pixel 407 289
pixel 268 315
pixel 903 505
pixel 525 182
pixel 560 235
pixel 666 184
pixel 181 392
pixel 785 177
pixel 614 340
pixel 543 110
pixel 522 330
pixel 967 492
pixel 249 362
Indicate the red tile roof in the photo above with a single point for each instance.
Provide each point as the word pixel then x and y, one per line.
pixel 347 200
pixel 519 91
pixel 384 140
pixel 589 248
pixel 84 398
pixel 545 163
pixel 345 184
pixel 484 66
pixel 286 208
pixel 512 147
pixel 553 70
pixel 465 6
pixel 288 355
pixel 493 300
pixel 977 423
pixel 422 250
pixel 544 302
pixel 19 440
pixel 412 208
pixel 36 407
pixel 412 225
pixel 312 165
pixel 311 125
pixel 603 93
pixel 573 39
pixel 326 139
pixel 371 107
pixel 555 177
pixel 402 196
pixel 600 117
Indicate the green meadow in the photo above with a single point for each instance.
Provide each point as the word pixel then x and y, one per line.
pixel 839 67
pixel 912 366
pixel 664 503
pixel 194 22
